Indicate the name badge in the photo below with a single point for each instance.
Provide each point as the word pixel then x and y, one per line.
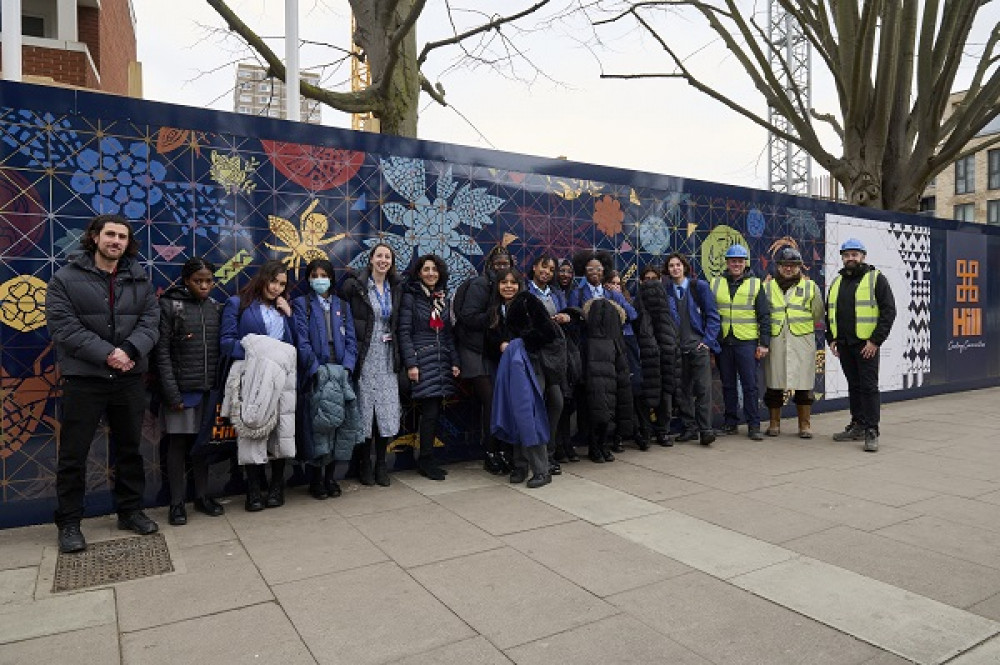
pixel 387 337
pixel 343 330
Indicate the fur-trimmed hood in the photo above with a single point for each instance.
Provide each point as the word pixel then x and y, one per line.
pixel 528 319
pixel 589 305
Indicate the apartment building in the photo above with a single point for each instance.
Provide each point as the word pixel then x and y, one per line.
pixel 256 94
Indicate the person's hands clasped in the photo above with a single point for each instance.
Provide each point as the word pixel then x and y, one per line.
pixel 119 360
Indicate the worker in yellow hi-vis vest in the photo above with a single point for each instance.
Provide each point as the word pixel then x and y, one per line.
pixel 796 311
pixel 745 337
pixel 860 309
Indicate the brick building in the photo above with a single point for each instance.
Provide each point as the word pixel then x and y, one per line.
pixel 969 189
pixel 83 43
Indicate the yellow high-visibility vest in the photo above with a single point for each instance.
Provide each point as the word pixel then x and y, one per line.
pixel 794 308
pixel 865 307
pixel 737 312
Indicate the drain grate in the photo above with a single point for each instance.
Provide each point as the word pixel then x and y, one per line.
pixel 113 561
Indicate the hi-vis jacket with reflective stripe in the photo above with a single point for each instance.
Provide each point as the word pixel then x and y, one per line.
pixel 739 310
pixel 793 307
pixel 865 307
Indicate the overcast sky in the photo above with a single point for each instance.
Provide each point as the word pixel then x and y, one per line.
pixel 657 125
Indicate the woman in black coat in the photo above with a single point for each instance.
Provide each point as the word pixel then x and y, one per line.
pixel 472 318
pixel 428 352
pixel 187 357
pixel 659 358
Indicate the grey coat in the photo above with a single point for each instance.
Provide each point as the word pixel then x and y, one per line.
pixel 84 327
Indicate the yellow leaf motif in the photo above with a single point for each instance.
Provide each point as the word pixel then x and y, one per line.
pixel 305 244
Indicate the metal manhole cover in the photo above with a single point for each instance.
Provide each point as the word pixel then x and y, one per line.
pixel 113 561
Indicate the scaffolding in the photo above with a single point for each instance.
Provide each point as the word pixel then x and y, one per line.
pixel 789 166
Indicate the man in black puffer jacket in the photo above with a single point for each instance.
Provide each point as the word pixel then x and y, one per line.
pixel 660 358
pixel 606 371
pixel 103 317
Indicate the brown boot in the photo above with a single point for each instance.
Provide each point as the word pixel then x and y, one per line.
pixel 774 429
pixel 805 432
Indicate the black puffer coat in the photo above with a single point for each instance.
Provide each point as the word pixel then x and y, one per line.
pixel 472 317
pixel 187 353
pixel 431 351
pixel 355 291
pixel 83 326
pixel 609 395
pixel 659 348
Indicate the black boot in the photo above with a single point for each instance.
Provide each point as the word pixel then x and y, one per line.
pixel 493 465
pixel 428 469
pixel 381 470
pixel 330 482
pixel 254 502
pixel 316 488
pixel 276 493
pixel 616 445
pixel 365 473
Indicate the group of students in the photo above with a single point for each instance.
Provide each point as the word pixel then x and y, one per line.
pixel 321 377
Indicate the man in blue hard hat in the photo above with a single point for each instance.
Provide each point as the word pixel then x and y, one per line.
pixel 860 310
pixel 745 337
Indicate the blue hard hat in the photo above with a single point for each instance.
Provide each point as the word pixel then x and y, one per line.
pixel 853 243
pixel 737 252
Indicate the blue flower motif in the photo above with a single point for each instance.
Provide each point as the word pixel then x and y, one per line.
pixel 46 141
pixel 433 227
pixel 119 180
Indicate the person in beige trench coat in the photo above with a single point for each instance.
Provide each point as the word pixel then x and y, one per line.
pixel 796 309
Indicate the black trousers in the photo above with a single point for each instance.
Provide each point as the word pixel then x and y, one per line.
pixel 694 399
pixel 862 384
pixel 430 411
pixel 84 401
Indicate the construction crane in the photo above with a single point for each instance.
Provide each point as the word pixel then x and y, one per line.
pixel 789 166
pixel 361 78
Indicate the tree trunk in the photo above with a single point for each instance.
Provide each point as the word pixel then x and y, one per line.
pixel 375 28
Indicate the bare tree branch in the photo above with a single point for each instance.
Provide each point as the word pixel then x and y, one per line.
pixel 492 25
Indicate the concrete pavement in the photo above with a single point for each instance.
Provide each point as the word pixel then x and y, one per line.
pixel 781 551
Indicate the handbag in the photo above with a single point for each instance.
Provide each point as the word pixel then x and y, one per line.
pixel 216 435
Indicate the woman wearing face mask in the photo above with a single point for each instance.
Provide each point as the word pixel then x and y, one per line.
pixel 187 358
pixel 261 309
pixel 472 303
pixel 428 352
pixel 324 329
pixel 565 277
pixel 374 296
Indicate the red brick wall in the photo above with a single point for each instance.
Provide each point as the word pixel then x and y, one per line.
pixel 117 45
pixel 69 67
pixel 88 29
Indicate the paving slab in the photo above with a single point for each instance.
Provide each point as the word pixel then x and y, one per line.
pixel 928 479
pixel 748 516
pixel 594 558
pixel 202 529
pixel 476 651
pixel 636 480
pixel 499 510
pixel 460 477
pixel 847 482
pixel 286 550
pixel 987 653
pixel 256 634
pixel 601 643
pixel 590 501
pixel 419 535
pixel 989 608
pixel 971 512
pixel 839 508
pixel 508 598
pixel 57 614
pixel 705 469
pixel 946 464
pixel 729 626
pixel 699 544
pixel 957 540
pixel 375 614
pixel 217 577
pixel 952 581
pixel 90 646
pixel 24 547
pixel 904 623
pixel 361 500
pixel 17 585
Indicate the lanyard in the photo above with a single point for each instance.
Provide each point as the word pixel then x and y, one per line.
pixel 384 298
